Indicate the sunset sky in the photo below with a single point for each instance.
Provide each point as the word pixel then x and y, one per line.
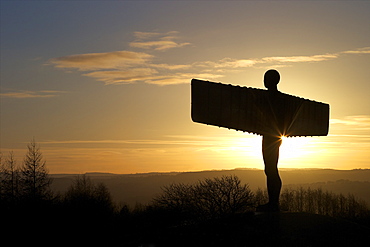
pixel 104 86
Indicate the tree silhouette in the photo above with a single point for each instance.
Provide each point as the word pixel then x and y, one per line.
pixel 84 195
pixel 208 198
pixel 9 178
pixel 34 177
pixel 317 201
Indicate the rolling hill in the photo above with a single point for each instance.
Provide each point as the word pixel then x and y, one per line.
pixel 141 188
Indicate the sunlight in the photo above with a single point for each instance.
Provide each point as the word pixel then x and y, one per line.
pixel 294 147
pixel 248 146
pixel 246 151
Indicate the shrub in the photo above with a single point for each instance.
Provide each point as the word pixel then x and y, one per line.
pixel 209 198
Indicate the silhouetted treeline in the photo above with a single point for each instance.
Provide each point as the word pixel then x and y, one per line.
pixel 214 208
pixel 317 201
pixel 27 182
pixel 221 211
pixel 30 211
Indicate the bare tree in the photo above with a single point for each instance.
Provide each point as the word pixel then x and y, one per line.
pixel 209 198
pixel 10 177
pixel 84 195
pixel 34 177
pixel 1 177
pixel 81 188
pixel 322 202
pixel 222 196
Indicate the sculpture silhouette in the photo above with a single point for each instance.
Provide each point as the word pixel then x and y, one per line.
pixel 271 143
pixel 269 113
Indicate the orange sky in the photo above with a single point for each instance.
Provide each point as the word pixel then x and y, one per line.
pixel 105 86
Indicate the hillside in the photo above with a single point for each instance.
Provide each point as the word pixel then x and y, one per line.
pixel 140 188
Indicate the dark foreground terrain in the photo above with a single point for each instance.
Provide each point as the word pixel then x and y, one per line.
pixel 276 229
pixel 214 211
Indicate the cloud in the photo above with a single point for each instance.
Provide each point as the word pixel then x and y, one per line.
pixel 157 45
pixel 122 77
pixel 280 61
pixel 241 63
pixel 165 140
pixel 350 133
pixel 364 50
pixel 173 141
pixel 171 66
pixel 299 59
pixel 357 122
pixel 162 42
pixel 146 35
pixel 229 63
pixel 99 61
pixel 180 78
pixel 21 94
pixel 147 75
pixel 125 67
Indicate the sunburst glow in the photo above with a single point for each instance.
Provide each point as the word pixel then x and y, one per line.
pixel 294 147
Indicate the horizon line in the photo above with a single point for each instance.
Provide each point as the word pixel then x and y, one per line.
pixel 213 170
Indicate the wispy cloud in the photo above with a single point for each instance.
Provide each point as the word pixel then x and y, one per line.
pixel 147 35
pixel 349 138
pixel 157 41
pixel 336 149
pixel 157 45
pixel 299 59
pixel 180 140
pixel 365 50
pixel 280 61
pixel 183 140
pixel 180 78
pixel 21 94
pixel 123 77
pixel 349 134
pixel 100 61
pixel 277 61
pixel 229 63
pixel 171 66
pixel 125 67
pixel 358 122
pixel 148 75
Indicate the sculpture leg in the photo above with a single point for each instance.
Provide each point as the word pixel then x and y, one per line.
pixel 270 151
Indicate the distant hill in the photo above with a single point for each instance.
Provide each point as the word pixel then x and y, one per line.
pixel 141 188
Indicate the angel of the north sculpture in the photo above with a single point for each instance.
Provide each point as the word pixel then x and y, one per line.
pixel 269 113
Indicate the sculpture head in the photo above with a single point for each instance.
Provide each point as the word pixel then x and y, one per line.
pixel 271 79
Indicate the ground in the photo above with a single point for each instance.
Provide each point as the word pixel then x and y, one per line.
pixel 276 229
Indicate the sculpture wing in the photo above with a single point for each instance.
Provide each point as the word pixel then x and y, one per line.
pixel 256 110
